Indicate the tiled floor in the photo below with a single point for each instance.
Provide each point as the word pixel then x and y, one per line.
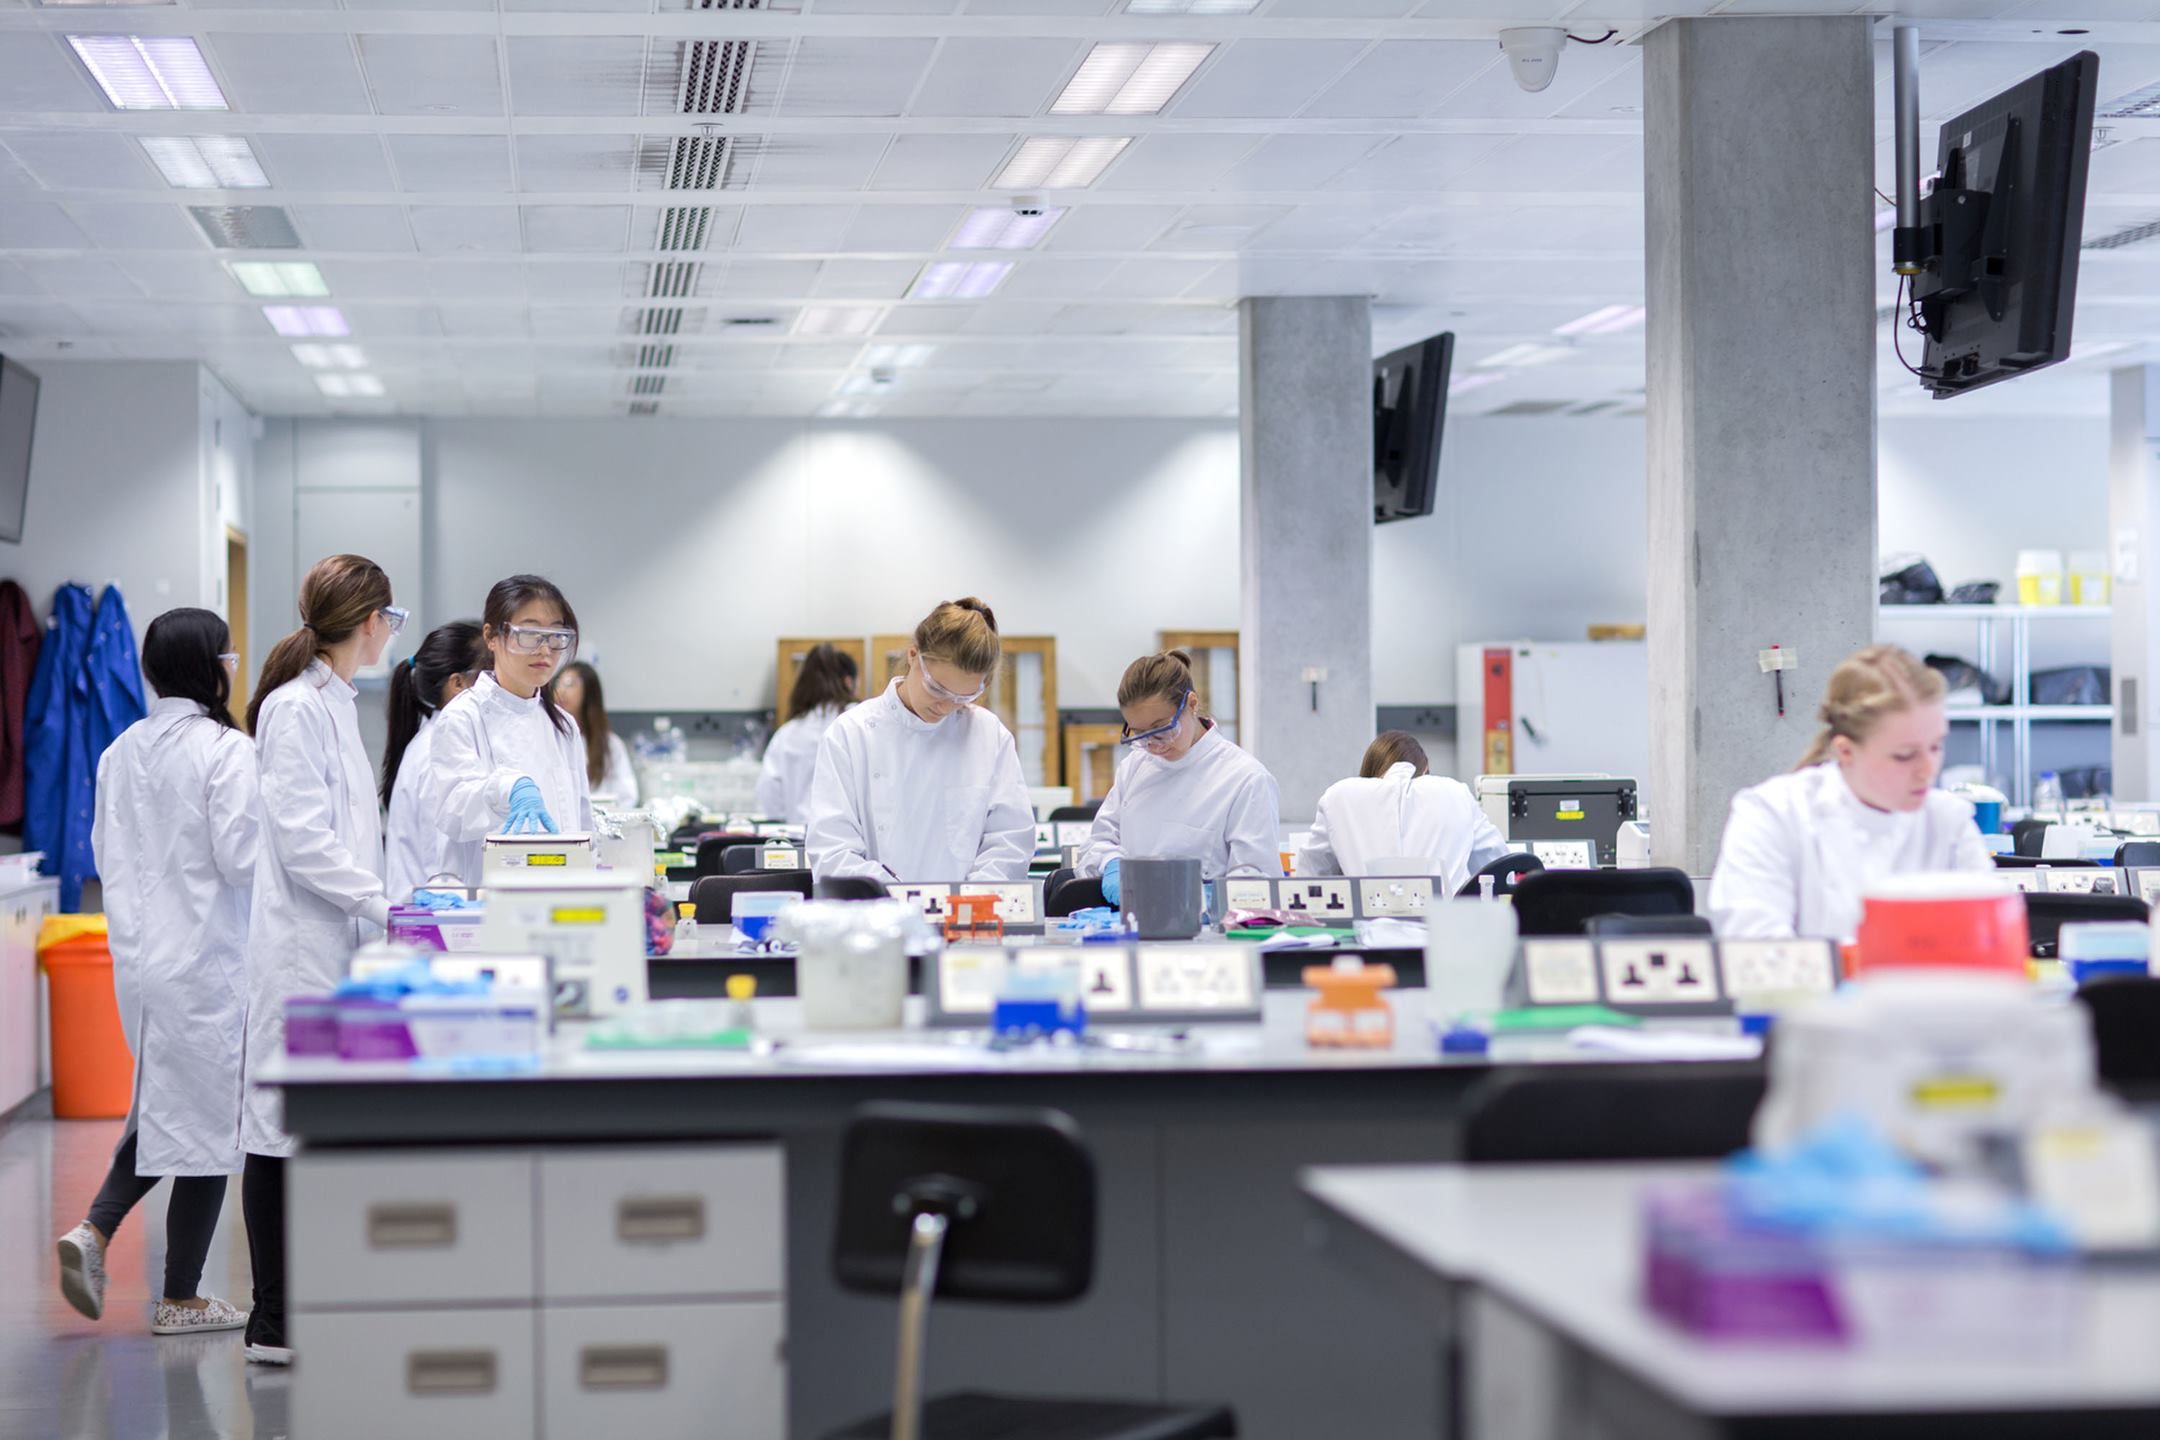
pixel 66 1378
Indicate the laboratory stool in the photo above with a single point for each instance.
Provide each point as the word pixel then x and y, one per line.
pixel 980 1203
pixel 849 887
pixel 2126 1029
pixel 1064 892
pixel 714 895
pixel 2034 862
pixel 1561 902
pixel 712 848
pixel 1602 927
pixel 2046 913
pixel 1074 812
pixel 740 858
pixel 1702 1113
pixel 1507 872
pixel 2137 854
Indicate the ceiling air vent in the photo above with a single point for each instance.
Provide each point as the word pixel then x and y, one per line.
pixel 644 407
pixel 2129 235
pixel 655 357
pixel 246 227
pixel 660 321
pixel 648 385
pixel 2137 105
pixel 673 280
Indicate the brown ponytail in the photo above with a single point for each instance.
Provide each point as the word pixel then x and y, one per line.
pixel 1166 677
pixel 336 599
pixel 1389 749
pixel 963 634
pixel 1867 686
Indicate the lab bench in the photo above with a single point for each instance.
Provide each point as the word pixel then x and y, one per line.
pixel 1527 1279
pixel 535 1310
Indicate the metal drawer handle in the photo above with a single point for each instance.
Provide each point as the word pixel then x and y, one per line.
pixel 450 1372
pixel 411 1227
pixel 623 1367
pixel 660 1217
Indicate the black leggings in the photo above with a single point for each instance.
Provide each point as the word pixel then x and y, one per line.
pixel 191 1215
pixel 262 1199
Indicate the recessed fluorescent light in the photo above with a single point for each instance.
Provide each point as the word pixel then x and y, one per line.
pixel 150 72
pixel 1122 77
pixel 277 279
pixel 1191 7
pixel 837 319
pixel 857 385
pixel 959 279
pixel 206 162
pixel 1057 162
pixel 880 357
pixel 992 228
pixel 330 357
pixel 295 320
pixel 1517 357
pixel 1609 321
pixel 346 387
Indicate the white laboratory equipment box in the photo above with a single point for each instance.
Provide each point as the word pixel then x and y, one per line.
pixel 1539 707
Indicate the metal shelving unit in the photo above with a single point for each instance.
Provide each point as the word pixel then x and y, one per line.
pixel 2011 624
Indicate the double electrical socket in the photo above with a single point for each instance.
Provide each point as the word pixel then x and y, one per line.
pixel 1408 896
pixel 1327 899
pixel 1016 901
pixel 1672 971
pixel 1778 967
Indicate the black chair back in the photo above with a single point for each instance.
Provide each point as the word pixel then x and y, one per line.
pixel 1561 902
pixel 714 895
pixel 1064 892
pixel 1074 812
pixel 1016 1186
pixel 712 851
pixel 1599 927
pixel 2138 853
pixel 2034 862
pixel 740 858
pixel 2045 915
pixel 849 887
pixel 2126 1027
pixel 2026 836
pixel 1507 872
pixel 1701 1113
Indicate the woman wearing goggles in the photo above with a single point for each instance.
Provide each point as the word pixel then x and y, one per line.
pixel 1181 789
pixel 922 783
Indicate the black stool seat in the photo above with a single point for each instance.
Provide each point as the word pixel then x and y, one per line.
pixel 974 1415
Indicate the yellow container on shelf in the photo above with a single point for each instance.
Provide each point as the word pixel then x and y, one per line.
pixel 2088 577
pixel 2040 577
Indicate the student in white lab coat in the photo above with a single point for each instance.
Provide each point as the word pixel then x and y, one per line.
pixel 1181 789
pixel 318 879
pixel 506 759
pixel 177 824
pixel 922 783
pixel 445 666
pixel 824 687
pixel 1393 814
pixel 608 773
pixel 1800 848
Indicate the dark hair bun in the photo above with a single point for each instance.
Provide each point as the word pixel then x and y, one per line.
pixel 980 608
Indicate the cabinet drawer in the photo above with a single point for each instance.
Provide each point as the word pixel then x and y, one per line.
pixel 424 1375
pixel 700 1220
pixel 659 1372
pixel 396 1227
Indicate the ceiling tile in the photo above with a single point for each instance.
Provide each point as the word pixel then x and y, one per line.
pixel 81 279
pixel 576 162
pixel 1297 162
pixel 557 280
pixel 1323 227
pixel 432 74
pixel 1110 227
pixel 474 280
pixel 139 226
pixel 755 279
pixel 1052 277
pixel 1418 162
pixel 38 225
pixel 816 228
pixel 996 77
pixel 273 73
pixel 451 163
pixel 1156 279
pixel 576 75
pixel 1219 227
pixel 324 163
pixel 1493 93
pixel 1176 161
pixel 576 227
pixel 490 322
pixel 1264 78
pixel 182 277
pixel 926 319
pixel 83 160
pixel 38 72
pixel 1400 78
pixel 816 162
pixel 454 229
pixel 864 279
pixel 941 162
pixel 353 227
pixel 900 227
pixel 854 77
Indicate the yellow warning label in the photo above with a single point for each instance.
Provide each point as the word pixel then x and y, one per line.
pixel 578 915
pixel 1567 815
pixel 1955 1091
pixel 547 860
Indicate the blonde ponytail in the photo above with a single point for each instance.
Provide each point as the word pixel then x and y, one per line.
pixel 1867 686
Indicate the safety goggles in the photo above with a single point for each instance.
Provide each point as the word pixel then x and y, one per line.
pixel 532 639
pixel 1160 732
pixel 230 660
pixel 396 616
pixel 922 663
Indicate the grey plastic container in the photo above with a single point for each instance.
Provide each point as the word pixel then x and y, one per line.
pixel 1162 898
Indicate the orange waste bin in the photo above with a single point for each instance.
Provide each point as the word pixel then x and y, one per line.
pixel 93 1072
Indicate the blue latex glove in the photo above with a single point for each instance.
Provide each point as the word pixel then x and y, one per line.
pixel 1110 884
pixel 440 900
pixel 528 812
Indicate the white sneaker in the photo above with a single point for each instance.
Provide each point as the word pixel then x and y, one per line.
pixel 216 1314
pixel 269 1354
pixel 82 1270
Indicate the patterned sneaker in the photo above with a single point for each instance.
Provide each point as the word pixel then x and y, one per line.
pixel 82 1270
pixel 171 1319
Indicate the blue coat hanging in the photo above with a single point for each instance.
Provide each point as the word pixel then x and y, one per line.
pixel 58 779
pixel 111 676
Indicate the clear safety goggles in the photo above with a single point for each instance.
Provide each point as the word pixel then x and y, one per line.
pixel 922 663
pixel 230 660
pixel 532 639
pixel 396 616
pixel 1160 733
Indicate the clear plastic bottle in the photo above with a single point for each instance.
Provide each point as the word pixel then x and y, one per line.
pixel 686 928
pixel 2047 796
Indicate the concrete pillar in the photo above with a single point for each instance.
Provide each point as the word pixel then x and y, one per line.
pixel 1758 142
pixel 2134 553
pixel 1305 537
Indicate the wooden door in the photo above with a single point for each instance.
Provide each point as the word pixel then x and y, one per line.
pixel 1215 673
pixel 1091 756
pixel 1023 694
pixel 236 619
pixel 888 661
pixel 789 663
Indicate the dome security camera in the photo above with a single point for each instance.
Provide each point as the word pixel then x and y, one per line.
pixel 1533 53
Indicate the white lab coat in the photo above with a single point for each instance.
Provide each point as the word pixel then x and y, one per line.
pixel 898 798
pixel 177 826
pixel 415 850
pixel 1800 849
pixel 486 740
pixel 319 876
pixel 1362 821
pixel 783 785
pixel 1216 804
pixel 618 787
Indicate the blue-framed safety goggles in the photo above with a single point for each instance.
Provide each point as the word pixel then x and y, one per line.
pixel 1160 732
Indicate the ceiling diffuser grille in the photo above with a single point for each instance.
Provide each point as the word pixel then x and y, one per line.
pixel 246 227
pixel 2129 235
pixel 648 385
pixel 644 407
pixel 655 357
pixel 684 227
pixel 2137 105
